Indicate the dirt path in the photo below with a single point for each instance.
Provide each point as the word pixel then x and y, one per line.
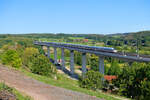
pixel 38 90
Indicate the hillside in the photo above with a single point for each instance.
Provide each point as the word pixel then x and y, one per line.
pixel 19 52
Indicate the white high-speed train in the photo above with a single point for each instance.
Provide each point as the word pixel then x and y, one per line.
pixel 95 48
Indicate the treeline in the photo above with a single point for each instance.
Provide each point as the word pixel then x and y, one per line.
pixel 143 37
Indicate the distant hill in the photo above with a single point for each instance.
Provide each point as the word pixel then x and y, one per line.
pixel 133 35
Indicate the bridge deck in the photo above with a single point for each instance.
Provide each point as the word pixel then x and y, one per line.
pixel 128 56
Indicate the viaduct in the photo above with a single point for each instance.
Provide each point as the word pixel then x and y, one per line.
pixel 101 55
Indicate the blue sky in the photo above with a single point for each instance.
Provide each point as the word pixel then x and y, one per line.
pixel 74 16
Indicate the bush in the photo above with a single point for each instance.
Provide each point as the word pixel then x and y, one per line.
pixel 94 62
pixel 42 66
pixel 134 81
pixel 92 80
pixel 114 69
pixel 10 57
pixel 28 56
pixel 37 63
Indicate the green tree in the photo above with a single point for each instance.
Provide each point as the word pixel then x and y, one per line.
pixel 92 80
pixel 94 62
pixel 114 68
pixel 42 66
pixel 134 81
pixel 40 49
pixel 28 55
pixel 10 57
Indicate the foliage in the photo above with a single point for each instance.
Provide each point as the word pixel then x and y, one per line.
pixel 22 43
pixel 77 58
pixel 37 63
pixel 114 68
pixel 42 66
pixel 28 55
pixel 10 57
pixel 67 53
pixel 134 82
pixel 92 80
pixel 94 63
pixel 5 47
pixel 40 49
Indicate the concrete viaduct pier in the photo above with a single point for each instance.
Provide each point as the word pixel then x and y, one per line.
pixel 84 50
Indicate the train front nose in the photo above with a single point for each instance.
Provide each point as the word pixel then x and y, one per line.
pixel 115 51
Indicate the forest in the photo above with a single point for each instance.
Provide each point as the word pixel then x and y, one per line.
pixel 131 80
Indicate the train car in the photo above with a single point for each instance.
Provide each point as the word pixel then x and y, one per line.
pixel 95 48
pixel 106 49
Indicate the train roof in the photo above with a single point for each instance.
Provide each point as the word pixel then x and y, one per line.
pixel 110 48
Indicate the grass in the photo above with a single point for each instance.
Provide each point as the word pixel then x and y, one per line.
pixel 19 96
pixel 70 84
pixel 76 38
